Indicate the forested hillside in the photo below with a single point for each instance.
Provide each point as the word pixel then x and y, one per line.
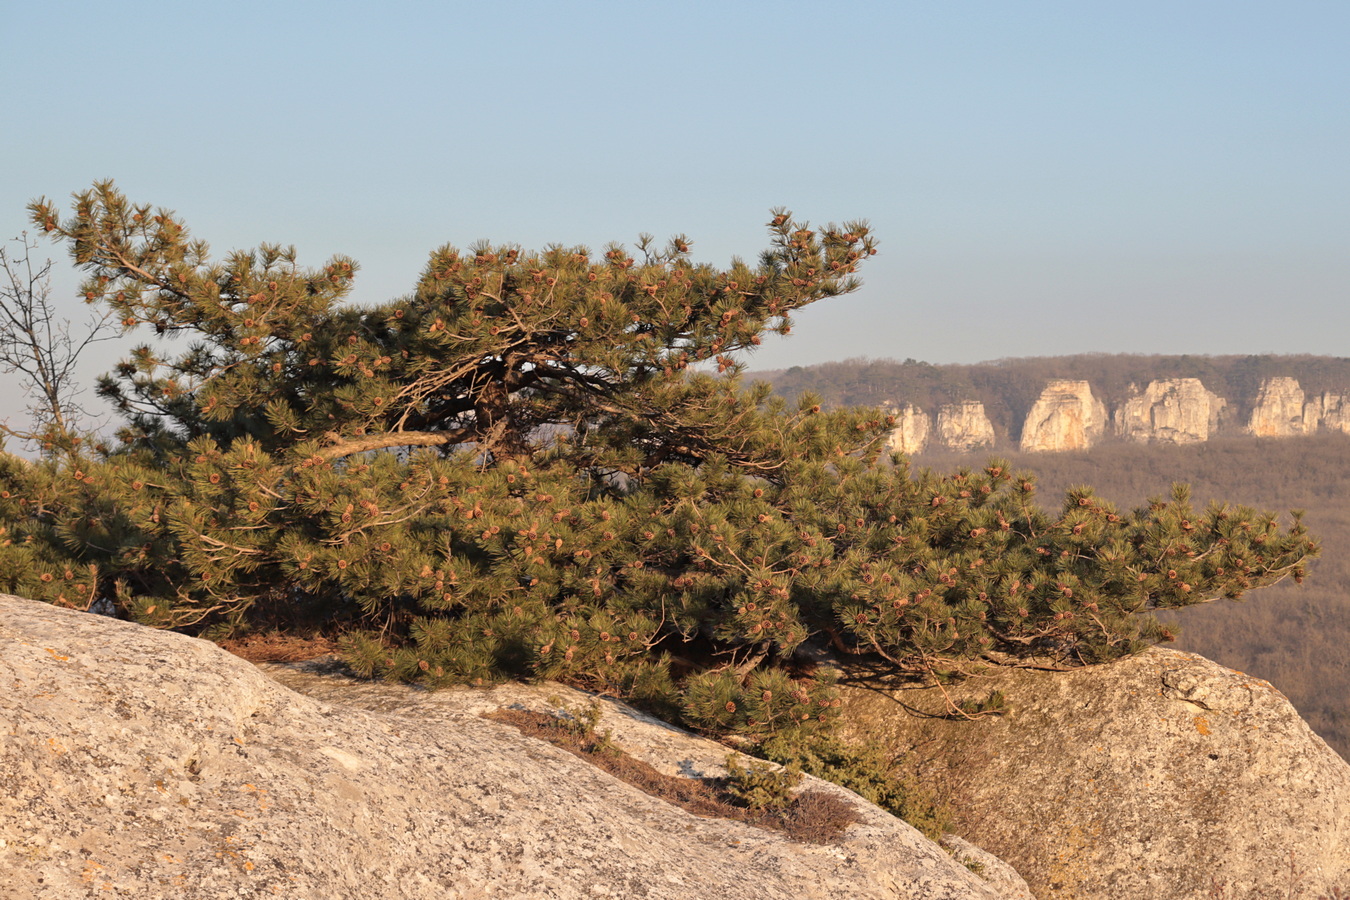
pixel 1008 388
pixel 1295 636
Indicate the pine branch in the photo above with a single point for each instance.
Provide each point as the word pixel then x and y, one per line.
pixel 351 446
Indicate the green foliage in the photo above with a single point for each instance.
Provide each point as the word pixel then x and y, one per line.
pixel 867 771
pixel 766 701
pixel 759 785
pixel 521 469
pixel 581 722
pixel 1296 636
pixel 993 705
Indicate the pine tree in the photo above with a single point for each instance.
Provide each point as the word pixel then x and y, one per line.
pixel 527 468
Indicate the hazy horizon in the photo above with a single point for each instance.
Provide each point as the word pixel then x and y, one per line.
pixel 1045 179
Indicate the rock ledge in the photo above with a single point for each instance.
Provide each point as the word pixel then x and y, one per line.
pixel 145 764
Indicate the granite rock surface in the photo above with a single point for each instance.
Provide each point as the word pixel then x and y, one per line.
pixel 1163 775
pixel 140 763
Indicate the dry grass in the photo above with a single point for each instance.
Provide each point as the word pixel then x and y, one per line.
pixel 813 817
pixel 279 647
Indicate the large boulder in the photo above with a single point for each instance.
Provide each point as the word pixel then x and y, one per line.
pixel 146 764
pixel 1161 776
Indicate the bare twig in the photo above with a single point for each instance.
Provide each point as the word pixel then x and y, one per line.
pixel 41 346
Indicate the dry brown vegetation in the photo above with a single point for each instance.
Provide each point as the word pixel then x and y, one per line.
pixel 279 647
pixel 810 816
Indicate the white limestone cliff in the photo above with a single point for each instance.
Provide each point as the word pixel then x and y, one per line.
pixel 1170 411
pixel 1280 410
pixel 1066 417
pixel 1332 411
pixel 964 426
pixel 911 431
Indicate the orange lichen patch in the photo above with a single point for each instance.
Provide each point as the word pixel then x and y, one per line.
pixel 1072 867
pixel 56 746
pixel 55 655
pixel 264 803
pixel 93 870
pixel 1202 725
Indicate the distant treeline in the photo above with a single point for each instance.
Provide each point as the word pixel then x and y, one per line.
pixel 1008 388
pixel 1295 636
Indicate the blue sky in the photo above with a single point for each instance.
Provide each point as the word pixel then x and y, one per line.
pixel 1045 177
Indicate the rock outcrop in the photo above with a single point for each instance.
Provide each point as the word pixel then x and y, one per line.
pixel 1170 411
pixel 140 763
pixel 910 434
pixel 1065 417
pixel 1159 776
pixel 1279 410
pixel 1332 411
pixel 964 426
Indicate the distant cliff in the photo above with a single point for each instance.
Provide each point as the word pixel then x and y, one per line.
pixel 1065 417
pixel 1038 405
pixel 1170 411
pixel 965 426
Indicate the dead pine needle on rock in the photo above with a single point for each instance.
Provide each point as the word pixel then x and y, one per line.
pixel 757 795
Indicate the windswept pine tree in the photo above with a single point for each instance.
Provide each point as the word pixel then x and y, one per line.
pixel 545 464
